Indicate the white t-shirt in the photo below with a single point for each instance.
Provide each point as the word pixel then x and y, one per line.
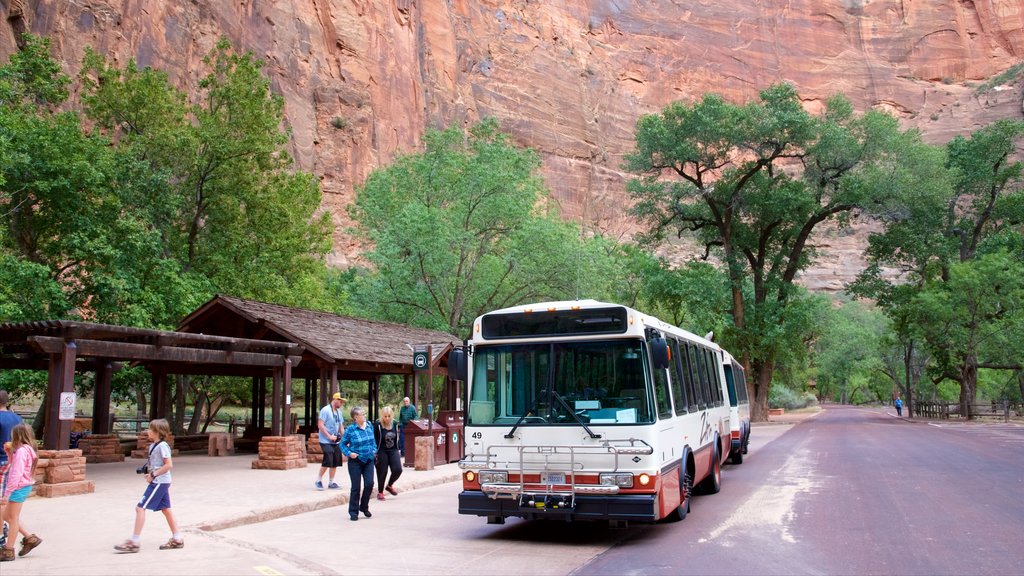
pixel 158 454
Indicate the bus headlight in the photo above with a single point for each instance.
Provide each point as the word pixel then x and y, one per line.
pixel 617 479
pixel 491 477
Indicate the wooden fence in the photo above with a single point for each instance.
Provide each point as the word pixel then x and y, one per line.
pixel 946 411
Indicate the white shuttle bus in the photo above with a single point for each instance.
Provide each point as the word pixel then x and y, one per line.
pixel 584 410
pixel 739 407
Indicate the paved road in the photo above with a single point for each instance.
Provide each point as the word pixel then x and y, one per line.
pixel 847 491
pixel 425 535
pixel 851 491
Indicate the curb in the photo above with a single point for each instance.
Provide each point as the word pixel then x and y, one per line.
pixel 275 512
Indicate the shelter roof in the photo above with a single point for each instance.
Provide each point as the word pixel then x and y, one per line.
pixel 329 337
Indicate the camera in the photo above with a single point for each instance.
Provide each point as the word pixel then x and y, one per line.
pixel 144 469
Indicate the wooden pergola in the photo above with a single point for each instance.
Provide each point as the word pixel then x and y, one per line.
pixel 334 347
pixel 65 348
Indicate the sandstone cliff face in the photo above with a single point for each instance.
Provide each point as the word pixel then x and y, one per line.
pixel 363 79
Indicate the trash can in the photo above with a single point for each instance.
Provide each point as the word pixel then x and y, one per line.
pixel 417 428
pixel 453 421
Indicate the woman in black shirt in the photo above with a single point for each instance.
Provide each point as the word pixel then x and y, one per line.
pixel 388 454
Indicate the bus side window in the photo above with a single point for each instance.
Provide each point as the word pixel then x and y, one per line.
pixel 691 380
pixel 700 377
pixel 714 363
pixel 730 383
pixel 678 394
pixel 708 379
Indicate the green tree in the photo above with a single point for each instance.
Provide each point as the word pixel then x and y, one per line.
pixel 933 237
pixel 233 212
pixel 751 183
pixel 68 242
pixel 850 355
pixel 464 227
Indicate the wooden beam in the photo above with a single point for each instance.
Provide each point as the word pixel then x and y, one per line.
pixel 149 352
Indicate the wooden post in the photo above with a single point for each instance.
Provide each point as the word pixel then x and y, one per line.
pixel 307 413
pixel 430 390
pixel 263 402
pixel 275 405
pixel 286 396
pixel 101 398
pixel 158 392
pixel 57 432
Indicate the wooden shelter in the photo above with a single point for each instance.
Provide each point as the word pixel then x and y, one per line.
pixel 334 347
pixel 65 348
pixel 226 336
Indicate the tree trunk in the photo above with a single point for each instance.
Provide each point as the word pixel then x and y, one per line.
pixel 197 412
pixel 140 402
pixel 211 413
pixel 908 380
pixel 1020 382
pixel 39 422
pixel 177 416
pixel 762 380
pixel 968 387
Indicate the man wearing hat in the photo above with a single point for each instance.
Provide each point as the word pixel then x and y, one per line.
pixel 329 423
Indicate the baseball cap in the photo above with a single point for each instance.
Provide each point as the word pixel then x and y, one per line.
pixel 338 396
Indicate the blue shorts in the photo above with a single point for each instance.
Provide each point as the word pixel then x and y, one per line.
pixel 21 494
pixel 157 497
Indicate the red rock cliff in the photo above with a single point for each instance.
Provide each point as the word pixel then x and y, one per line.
pixel 568 78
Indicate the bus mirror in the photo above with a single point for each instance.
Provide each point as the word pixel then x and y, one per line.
pixel 457 367
pixel 659 353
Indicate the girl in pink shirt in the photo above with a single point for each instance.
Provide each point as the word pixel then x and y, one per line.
pixel 20 477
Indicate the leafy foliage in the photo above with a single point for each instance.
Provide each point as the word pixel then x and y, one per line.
pixel 465 227
pixel 167 201
pixel 751 183
pixel 955 246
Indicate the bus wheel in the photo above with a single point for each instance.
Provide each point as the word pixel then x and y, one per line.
pixel 737 456
pixel 495 520
pixel 746 441
pixel 685 492
pixel 713 483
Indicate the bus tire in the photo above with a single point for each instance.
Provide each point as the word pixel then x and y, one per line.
pixel 736 456
pixel 685 489
pixel 746 440
pixel 713 483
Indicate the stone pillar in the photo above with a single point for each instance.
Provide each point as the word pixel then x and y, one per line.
pixel 62 473
pixel 280 453
pixel 424 453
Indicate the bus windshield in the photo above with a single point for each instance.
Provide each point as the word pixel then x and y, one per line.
pixel 601 382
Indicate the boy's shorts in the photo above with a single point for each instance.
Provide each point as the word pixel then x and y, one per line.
pixel 157 497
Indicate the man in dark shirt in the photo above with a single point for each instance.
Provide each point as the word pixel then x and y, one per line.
pixel 407 413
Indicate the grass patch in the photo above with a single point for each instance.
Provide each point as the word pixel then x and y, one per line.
pixel 1009 75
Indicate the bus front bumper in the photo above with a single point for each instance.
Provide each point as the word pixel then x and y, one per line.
pixel 631 507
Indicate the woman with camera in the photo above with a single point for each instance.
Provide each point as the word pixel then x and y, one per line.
pixel 157 497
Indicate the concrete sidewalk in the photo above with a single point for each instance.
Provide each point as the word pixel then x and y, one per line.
pixel 208 494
